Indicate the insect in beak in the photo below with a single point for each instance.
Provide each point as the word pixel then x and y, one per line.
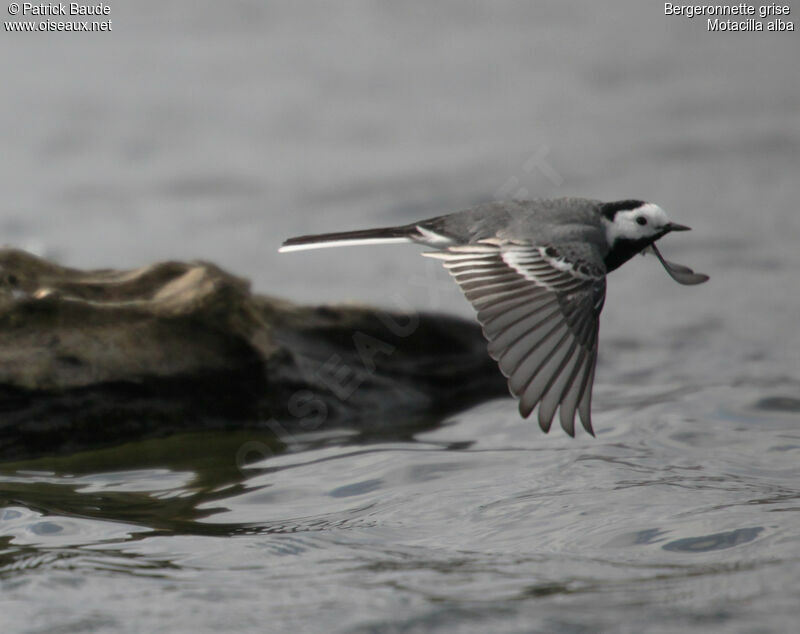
pixel 681 274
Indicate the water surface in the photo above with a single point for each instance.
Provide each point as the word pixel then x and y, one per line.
pixel 197 131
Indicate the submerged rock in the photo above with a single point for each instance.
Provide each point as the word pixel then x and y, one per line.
pixel 100 357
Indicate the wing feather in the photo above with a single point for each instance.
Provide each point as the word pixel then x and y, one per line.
pixel 585 406
pixel 542 373
pixel 560 383
pixel 520 348
pixel 501 322
pixel 539 310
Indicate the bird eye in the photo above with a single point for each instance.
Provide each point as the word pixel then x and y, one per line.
pixel 641 220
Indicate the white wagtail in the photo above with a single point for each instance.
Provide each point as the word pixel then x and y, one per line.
pixel 535 271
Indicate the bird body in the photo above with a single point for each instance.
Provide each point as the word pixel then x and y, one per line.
pixel 535 271
pixel 540 221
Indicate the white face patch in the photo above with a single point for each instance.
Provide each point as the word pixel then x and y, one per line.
pixel 636 224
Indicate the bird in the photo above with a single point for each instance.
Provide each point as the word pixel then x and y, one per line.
pixel 535 272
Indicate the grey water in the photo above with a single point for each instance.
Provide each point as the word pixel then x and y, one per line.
pixel 214 131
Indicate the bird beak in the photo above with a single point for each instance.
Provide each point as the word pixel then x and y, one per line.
pixel 674 226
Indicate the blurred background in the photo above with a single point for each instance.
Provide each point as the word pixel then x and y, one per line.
pixel 216 130
pixel 202 131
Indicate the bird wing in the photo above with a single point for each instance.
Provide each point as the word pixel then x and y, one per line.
pixel 539 307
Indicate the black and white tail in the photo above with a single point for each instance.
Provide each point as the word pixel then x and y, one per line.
pixel 387 235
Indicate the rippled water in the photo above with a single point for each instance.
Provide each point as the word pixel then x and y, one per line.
pixel 193 132
pixel 680 514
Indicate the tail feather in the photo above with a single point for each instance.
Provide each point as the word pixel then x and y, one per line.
pixel 347 238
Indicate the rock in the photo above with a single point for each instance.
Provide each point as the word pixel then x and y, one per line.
pixel 101 357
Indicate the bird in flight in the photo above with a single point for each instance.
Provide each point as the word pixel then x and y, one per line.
pixel 535 272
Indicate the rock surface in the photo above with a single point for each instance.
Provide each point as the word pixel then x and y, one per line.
pixel 100 357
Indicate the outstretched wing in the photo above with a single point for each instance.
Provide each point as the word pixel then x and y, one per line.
pixel 540 312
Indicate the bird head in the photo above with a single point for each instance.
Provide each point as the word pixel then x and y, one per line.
pixel 637 222
pixel 633 226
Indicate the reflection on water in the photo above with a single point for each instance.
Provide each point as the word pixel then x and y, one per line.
pixel 718 541
pixel 480 520
pixel 778 404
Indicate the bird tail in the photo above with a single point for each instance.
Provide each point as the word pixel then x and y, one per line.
pixel 348 238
